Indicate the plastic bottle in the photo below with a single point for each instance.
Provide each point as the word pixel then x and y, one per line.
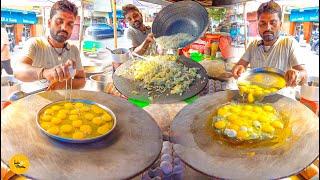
pixel 207 50
pixel 214 49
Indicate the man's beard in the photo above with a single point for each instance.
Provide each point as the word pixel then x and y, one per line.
pixel 137 24
pixel 270 36
pixel 57 37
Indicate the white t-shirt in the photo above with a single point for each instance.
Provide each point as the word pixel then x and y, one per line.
pixel 43 54
pixel 283 54
pixel 135 36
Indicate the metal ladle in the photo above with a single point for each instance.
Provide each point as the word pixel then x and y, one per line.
pixel 109 50
pixel 20 94
pixel 137 55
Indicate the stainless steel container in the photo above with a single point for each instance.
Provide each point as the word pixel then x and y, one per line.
pixel 9 85
pixel 310 91
pixel 98 82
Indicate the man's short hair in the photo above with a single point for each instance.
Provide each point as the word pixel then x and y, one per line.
pixel 64 6
pixel 270 7
pixel 129 7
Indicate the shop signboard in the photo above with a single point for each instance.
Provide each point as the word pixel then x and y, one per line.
pixel 119 14
pixel 11 16
pixel 304 15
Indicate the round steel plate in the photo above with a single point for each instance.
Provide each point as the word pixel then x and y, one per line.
pixel 245 76
pixel 70 140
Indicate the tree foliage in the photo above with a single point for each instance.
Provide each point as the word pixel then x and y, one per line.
pixel 217 14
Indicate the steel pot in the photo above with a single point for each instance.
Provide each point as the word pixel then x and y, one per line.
pixel 98 82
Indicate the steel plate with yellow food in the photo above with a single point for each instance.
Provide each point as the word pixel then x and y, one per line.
pixel 257 83
pixel 76 121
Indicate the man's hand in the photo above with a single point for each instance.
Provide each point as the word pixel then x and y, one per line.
pixel 55 86
pixel 150 38
pixel 142 48
pixel 292 77
pixel 237 70
pixel 59 73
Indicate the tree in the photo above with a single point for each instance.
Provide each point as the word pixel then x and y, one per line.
pixel 217 14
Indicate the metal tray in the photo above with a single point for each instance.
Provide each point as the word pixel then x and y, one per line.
pixel 181 17
pixel 70 140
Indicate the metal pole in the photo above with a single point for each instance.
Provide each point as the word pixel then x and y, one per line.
pixel 115 35
pixel 81 26
pixel 282 17
pixel 44 24
pixel 245 25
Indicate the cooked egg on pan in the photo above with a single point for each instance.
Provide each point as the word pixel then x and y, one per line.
pixel 244 122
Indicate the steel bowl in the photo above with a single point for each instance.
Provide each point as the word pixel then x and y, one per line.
pixel 70 140
pixel 98 82
pixel 181 17
pixel 120 55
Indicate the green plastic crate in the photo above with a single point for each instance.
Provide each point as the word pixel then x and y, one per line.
pixel 92 46
pixel 196 56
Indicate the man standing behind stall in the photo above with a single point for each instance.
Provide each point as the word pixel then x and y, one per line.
pixel 51 57
pixel 138 34
pixel 273 51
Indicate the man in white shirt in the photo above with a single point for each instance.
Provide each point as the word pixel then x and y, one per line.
pixel 5 52
pixel 51 57
pixel 273 51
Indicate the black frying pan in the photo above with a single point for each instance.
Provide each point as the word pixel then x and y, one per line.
pixel 128 86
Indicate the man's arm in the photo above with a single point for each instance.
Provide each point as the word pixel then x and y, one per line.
pixel 239 68
pixel 296 75
pixel 77 83
pixel 24 71
pixel 242 65
pixel 57 75
pixel 3 47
